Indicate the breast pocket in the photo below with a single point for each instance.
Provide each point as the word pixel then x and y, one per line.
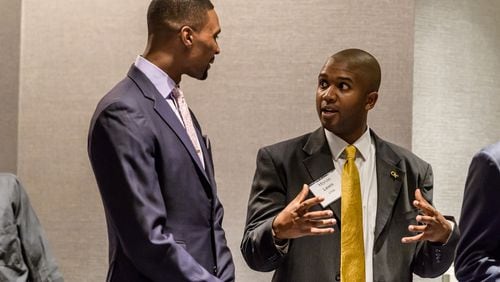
pixel 11 258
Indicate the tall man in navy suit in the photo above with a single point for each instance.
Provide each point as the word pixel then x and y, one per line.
pixel 287 231
pixel 152 165
pixel 478 251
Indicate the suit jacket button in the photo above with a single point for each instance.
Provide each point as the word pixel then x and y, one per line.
pixel 337 277
pixel 215 270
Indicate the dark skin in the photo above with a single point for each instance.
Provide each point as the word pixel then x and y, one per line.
pixel 344 97
pixel 347 89
pixel 186 50
pixel 296 221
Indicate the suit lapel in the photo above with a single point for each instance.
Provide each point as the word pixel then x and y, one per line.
pixel 163 109
pixel 204 143
pixel 389 182
pixel 319 162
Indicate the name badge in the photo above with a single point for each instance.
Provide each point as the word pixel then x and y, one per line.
pixel 327 186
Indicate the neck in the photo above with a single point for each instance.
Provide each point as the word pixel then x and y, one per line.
pixel 164 57
pixel 351 138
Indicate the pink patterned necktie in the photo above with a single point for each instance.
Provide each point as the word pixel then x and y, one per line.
pixel 188 122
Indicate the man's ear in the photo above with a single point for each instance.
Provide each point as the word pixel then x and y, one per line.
pixel 186 34
pixel 371 100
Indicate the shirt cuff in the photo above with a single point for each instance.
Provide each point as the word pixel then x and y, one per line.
pixel 280 244
pixel 451 233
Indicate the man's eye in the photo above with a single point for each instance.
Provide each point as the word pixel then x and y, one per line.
pixel 322 84
pixel 344 86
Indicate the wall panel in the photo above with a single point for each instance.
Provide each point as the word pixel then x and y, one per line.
pixel 259 91
pixel 10 34
pixel 456 98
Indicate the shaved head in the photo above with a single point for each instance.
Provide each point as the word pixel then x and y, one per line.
pixel 364 63
pixel 347 89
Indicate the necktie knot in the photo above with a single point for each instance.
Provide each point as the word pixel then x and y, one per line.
pixel 350 152
pixel 177 93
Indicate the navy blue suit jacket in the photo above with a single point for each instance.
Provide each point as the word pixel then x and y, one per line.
pixel 163 215
pixel 478 251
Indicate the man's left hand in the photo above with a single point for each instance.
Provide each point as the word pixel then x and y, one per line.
pixel 434 228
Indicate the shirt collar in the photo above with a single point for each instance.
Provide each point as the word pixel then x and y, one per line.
pixel 163 83
pixel 337 144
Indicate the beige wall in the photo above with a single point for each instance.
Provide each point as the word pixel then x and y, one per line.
pixel 72 53
pixel 260 90
pixel 456 89
pixel 456 100
pixel 10 28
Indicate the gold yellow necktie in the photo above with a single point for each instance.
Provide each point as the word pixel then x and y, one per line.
pixel 352 249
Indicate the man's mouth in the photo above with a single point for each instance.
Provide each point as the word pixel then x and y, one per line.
pixel 210 63
pixel 328 111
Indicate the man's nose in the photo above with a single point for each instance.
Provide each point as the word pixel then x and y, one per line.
pixel 330 93
pixel 217 49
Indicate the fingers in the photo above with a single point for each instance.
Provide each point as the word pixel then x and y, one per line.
pixel 412 239
pixel 318 215
pixel 422 204
pixel 302 205
pixel 318 227
pixel 319 218
pixel 417 228
pixel 305 205
pixel 322 223
pixel 321 231
pixel 418 195
pixel 433 226
pixel 303 193
pixel 426 219
pixel 296 220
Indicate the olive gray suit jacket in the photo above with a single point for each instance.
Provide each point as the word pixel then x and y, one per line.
pixel 281 171
pixel 24 252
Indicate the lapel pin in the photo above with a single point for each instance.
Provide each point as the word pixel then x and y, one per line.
pixel 394 174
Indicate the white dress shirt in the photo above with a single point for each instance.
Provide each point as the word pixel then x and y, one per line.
pixel 162 82
pixel 365 162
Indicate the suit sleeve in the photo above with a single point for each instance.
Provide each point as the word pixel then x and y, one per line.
pixel 434 259
pixel 122 153
pixel 42 266
pixel 267 199
pixel 478 252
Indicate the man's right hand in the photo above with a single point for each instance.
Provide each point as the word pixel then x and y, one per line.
pixel 296 221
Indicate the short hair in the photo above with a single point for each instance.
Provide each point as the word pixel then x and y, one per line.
pixel 358 58
pixel 173 14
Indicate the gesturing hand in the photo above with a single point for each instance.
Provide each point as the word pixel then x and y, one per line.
pixel 435 227
pixel 296 221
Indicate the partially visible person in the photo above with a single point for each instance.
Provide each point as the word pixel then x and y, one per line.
pixel 24 253
pixel 392 228
pixel 478 251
